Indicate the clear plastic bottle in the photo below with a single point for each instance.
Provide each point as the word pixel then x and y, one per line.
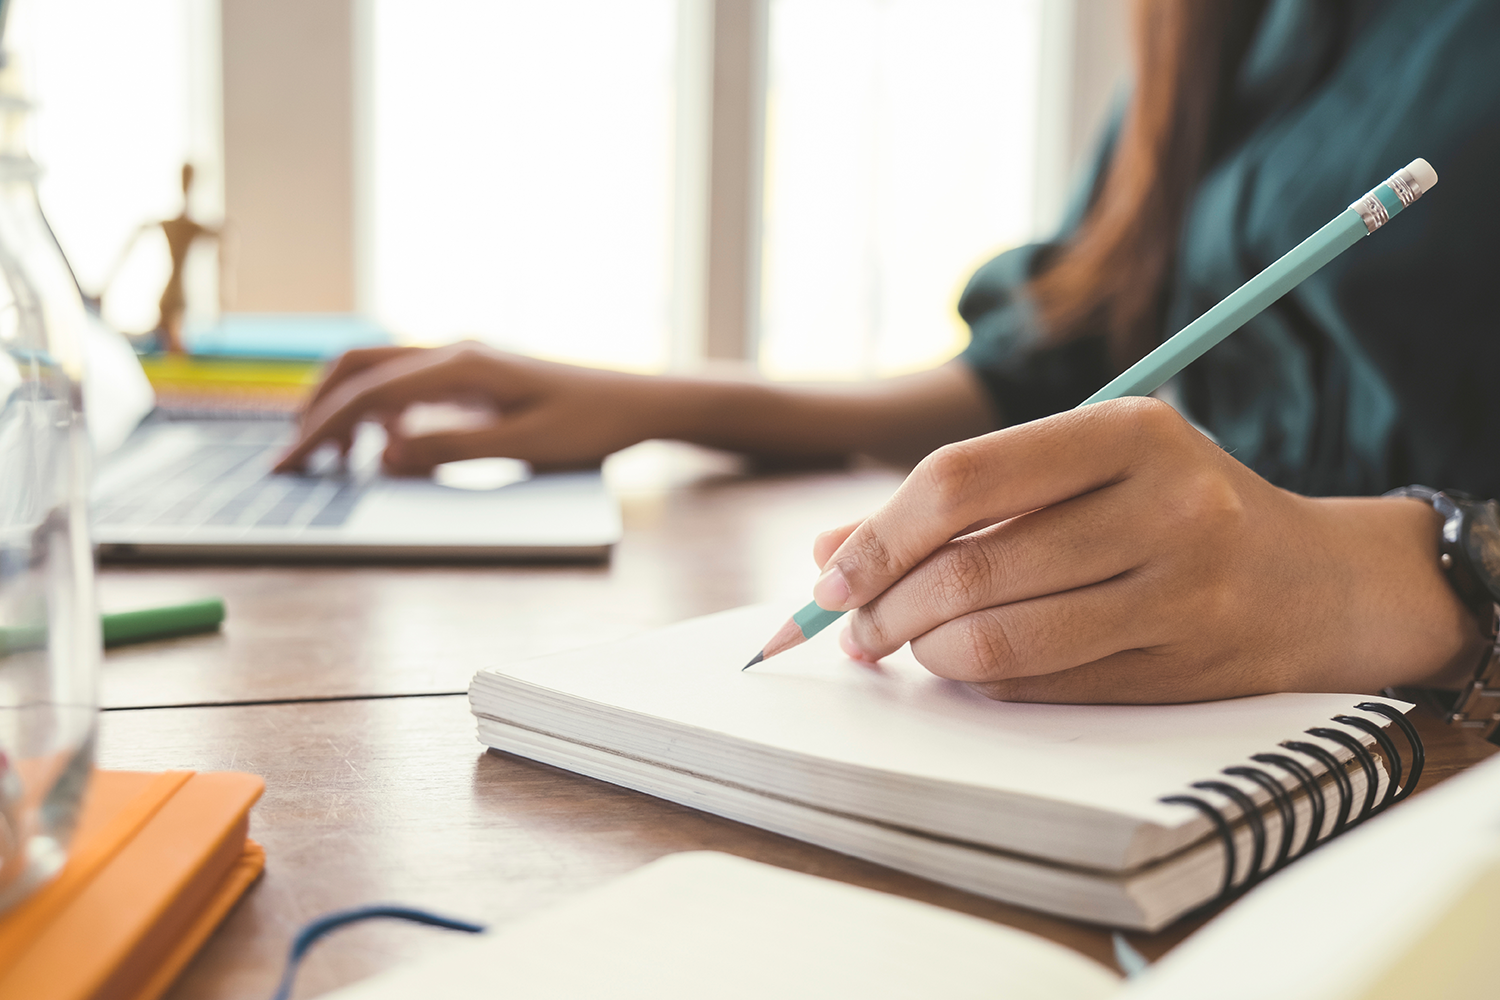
pixel 49 623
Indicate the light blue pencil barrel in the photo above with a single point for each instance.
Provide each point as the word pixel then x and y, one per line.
pixel 1242 305
pixel 1246 302
pixel 813 619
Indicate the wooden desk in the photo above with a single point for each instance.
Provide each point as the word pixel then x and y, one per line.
pixel 704 543
pixel 331 683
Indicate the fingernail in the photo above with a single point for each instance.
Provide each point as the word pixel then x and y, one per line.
pixel 851 648
pixel 832 590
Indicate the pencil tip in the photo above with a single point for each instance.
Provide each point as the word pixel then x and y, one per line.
pixel 758 657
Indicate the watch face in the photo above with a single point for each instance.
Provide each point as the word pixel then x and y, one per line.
pixel 1483 544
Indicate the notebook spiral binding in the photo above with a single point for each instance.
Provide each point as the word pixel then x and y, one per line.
pixel 1346 814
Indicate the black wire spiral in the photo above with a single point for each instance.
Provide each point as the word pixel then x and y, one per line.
pixel 1309 788
pixel 1344 816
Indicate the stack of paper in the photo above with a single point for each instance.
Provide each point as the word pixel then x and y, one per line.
pixel 1056 807
pixel 1408 906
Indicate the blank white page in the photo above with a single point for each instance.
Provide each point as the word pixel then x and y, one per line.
pixel 900 719
pixel 710 925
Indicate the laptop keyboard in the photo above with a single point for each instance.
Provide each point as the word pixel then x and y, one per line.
pixel 227 484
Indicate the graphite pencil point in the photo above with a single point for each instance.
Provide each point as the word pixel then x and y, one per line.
pixel 786 637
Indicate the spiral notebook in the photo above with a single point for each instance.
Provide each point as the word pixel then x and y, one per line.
pixel 1124 815
pixel 1408 906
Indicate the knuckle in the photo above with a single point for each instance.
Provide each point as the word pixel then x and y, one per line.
pixel 872 628
pixel 1154 424
pixel 953 473
pixel 1209 504
pixel 985 648
pixel 965 568
pixel 1150 412
pixel 870 553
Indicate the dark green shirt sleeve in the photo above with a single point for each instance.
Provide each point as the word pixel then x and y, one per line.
pixel 1382 369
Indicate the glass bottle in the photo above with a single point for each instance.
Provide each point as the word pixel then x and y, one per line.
pixel 49 624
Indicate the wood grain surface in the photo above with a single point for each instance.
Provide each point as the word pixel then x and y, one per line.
pixel 394 800
pixel 690 547
pixel 332 683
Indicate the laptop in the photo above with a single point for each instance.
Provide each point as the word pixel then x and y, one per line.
pixel 192 485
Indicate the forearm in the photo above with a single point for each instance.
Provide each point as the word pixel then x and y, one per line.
pixel 895 419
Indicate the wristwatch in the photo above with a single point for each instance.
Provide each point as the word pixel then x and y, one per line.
pixel 1469 552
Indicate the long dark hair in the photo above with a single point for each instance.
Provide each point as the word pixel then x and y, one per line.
pixel 1111 277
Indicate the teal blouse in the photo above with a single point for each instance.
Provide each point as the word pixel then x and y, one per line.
pixel 1384 368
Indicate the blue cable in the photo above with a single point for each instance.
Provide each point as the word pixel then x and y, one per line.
pixel 340 918
pixel 1130 961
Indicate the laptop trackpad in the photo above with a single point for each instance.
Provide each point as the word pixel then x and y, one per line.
pixel 570 508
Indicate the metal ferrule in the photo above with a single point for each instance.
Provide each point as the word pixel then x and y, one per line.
pixel 1373 212
pixel 1405 186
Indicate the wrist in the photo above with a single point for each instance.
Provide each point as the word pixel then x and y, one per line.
pixel 1404 622
pixel 714 411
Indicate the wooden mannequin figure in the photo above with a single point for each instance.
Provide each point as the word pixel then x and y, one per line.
pixel 181 233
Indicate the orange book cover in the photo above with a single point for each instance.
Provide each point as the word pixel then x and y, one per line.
pixel 157 861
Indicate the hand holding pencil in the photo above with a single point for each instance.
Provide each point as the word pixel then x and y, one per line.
pixel 1112 553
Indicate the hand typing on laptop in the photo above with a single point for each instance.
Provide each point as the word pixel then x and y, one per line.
pixel 548 414
pixel 556 415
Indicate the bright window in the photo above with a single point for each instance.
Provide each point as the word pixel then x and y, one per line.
pixel 520 175
pixel 126 93
pixel 899 155
pixel 517 158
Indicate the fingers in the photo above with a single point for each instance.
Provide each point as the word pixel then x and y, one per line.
pixel 351 363
pixel 1129 677
pixel 390 386
pixel 1059 548
pixel 827 543
pixel 1045 635
pixel 505 438
pixel 996 476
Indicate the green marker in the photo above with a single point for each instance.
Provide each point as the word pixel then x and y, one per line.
pixel 128 626
pixel 1194 340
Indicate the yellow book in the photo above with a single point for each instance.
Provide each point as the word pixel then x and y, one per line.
pixel 268 384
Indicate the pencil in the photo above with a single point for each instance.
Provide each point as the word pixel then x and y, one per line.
pixel 1190 343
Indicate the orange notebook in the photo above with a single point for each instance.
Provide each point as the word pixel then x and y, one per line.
pixel 157 861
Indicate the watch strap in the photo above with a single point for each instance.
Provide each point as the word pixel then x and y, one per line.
pixel 1478 704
